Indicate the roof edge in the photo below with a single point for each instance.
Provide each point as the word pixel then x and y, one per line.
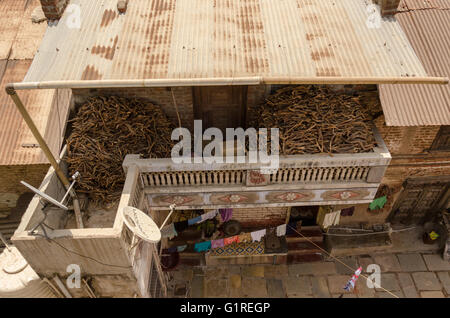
pixel 223 81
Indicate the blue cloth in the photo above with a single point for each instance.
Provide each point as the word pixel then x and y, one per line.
pixel 194 220
pixel 202 247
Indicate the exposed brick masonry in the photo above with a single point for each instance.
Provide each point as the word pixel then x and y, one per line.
pixel 53 9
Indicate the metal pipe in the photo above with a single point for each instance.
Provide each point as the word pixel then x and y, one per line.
pixel 223 81
pixel 172 209
pixel 48 154
pixel 355 80
pixel 138 83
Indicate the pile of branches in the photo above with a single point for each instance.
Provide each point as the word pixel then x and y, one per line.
pixel 104 131
pixel 316 119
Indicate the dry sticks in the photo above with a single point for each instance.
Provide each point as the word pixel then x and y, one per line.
pixel 104 131
pixel 315 119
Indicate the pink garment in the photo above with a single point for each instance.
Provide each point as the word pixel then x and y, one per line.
pixel 217 243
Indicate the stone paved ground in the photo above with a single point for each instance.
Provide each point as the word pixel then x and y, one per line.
pixel 409 275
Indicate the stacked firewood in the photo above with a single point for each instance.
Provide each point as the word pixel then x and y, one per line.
pixel 104 131
pixel 316 119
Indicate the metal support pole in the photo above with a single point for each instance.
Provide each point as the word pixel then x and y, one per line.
pixel 48 154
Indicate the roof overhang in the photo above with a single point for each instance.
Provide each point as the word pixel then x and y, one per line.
pixel 206 42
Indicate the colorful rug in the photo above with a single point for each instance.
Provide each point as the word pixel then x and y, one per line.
pixel 239 249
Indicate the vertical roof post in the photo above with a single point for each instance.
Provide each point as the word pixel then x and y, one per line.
pixel 76 204
pixel 388 7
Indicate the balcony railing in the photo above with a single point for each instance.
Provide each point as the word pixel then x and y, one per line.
pixel 361 173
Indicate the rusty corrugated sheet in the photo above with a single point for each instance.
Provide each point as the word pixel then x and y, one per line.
pixel 427 25
pixel 19 42
pixel 17 144
pixel 223 38
pixel 20 38
pixel 10 19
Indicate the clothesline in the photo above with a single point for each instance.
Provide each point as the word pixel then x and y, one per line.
pixel 254 236
pixel 175 228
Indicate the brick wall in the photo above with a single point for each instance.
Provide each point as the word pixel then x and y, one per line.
pixel 407 140
pixel 10 186
pixel 53 9
pixel 162 96
pixel 396 175
pixel 260 217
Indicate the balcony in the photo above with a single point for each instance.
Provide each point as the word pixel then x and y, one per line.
pixel 300 180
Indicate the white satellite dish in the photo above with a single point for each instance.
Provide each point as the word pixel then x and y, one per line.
pixel 45 196
pixel 141 224
pixel 49 198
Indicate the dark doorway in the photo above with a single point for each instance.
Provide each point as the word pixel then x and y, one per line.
pixel 306 214
pixel 221 106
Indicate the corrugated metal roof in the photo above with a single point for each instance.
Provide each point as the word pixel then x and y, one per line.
pixel 19 42
pixel 175 39
pixel 427 25
pixel 16 140
pixel 20 38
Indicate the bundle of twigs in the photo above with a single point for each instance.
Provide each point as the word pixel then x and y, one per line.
pixel 104 131
pixel 316 119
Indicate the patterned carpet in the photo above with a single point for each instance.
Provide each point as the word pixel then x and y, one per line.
pixel 239 249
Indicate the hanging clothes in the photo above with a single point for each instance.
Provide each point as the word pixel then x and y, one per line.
pixel 217 243
pixel 181 226
pixel 245 238
pixel 378 203
pixel 226 214
pixel 231 240
pixel 281 230
pixel 351 283
pixel 209 215
pixel 330 219
pixel 257 235
pixel 202 247
pixel 193 221
pixel 169 231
